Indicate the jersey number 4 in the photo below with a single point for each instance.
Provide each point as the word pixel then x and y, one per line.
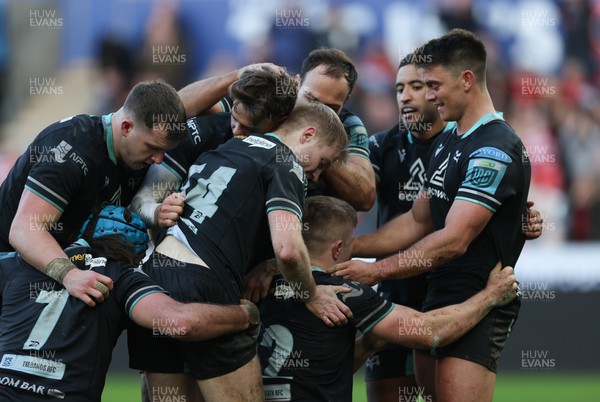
pixel 202 193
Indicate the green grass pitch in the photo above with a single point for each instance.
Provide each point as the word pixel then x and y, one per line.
pixel 511 387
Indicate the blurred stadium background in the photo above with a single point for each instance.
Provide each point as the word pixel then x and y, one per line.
pixel 63 57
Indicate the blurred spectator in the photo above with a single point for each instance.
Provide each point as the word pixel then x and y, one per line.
pixel 117 70
pixel 3 59
pixel 579 134
pixel 164 52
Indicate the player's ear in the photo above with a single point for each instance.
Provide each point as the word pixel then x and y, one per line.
pixel 308 134
pixel 336 249
pixel 126 127
pixel 468 80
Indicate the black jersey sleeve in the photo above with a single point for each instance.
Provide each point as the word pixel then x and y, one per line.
pixel 61 162
pixel 133 285
pixel 358 139
pixel 368 308
pixel 491 176
pixel 204 134
pixel 286 183
pixel 226 104
pixel 375 144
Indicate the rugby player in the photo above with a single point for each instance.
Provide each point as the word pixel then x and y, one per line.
pixel 328 76
pixel 262 99
pixel 53 346
pixel 238 196
pixel 468 216
pixel 76 165
pixel 399 157
pixel 304 360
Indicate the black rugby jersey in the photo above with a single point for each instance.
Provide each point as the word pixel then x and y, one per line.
pixel 489 166
pixel 52 344
pixel 302 358
pixel 229 192
pixel 204 133
pixel 400 160
pixel 72 165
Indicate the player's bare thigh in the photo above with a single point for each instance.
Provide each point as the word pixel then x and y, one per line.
pixel 425 374
pixel 461 380
pixel 173 387
pixel 392 389
pixel 241 385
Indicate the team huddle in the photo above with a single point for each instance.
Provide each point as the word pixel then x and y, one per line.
pixel 216 226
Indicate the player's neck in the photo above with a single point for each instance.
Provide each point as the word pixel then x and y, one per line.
pixel 436 128
pixel 478 107
pixel 116 132
pixel 322 262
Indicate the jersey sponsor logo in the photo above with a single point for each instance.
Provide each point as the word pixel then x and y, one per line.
pixel 484 174
pixel 61 150
pixel 93 263
pixel 491 153
pixel 35 388
pixel 436 192
pixel 193 131
pixel 52 369
pixel 298 171
pixel 259 142
pixel 277 392
pixel 439 149
pixel 79 161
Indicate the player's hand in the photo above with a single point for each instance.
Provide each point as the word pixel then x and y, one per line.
pixel 253 316
pixel 88 286
pixel 325 305
pixel 502 285
pixel 533 227
pixel 256 284
pixel 356 270
pixel 168 212
pixel 260 66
